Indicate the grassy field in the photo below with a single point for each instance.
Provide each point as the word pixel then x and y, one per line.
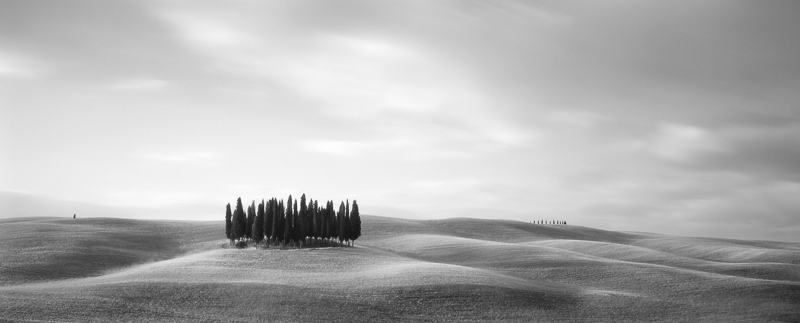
pixel 101 269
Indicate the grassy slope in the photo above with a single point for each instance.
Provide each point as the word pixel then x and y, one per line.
pixel 39 249
pixel 455 269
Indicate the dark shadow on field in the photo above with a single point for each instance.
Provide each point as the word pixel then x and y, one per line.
pixel 267 302
pixel 254 302
pixel 52 249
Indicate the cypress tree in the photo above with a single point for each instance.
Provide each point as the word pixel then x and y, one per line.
pixel 317 221
pixel 355 223
pixel 268 221
pixel 296 225
pixel 340 221
pixel 279 219
pixel 258 225
pixel 309 223
pixel 282 224
pixel 302 219
pixel 240 221
pixel 276 220
pixel 347 220
pixel 345 228
pixel 234 225
pixel 251 217
pixel 287 229
pixel 331 219
pixel 334 234
pixel 323 216
pixel 228 222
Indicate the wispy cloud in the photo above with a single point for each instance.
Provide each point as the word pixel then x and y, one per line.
pixel 683 143
pixel 575 118
pixel 193 157
pixel 333 147
pixel 200 29
pixel 353 75
pixel 154 197
pixel 139 84
pixel 224 40
pixel 393 148
pixel 16 66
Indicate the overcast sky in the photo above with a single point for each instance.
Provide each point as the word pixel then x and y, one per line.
pixel 678 117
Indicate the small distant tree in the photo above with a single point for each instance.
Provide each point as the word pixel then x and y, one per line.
pixel 228 223
pixel 355 223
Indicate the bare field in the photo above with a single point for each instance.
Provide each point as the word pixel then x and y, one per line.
pixel 400 270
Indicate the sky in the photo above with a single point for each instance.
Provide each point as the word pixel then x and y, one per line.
pixel 674 117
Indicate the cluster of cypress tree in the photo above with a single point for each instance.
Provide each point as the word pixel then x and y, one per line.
pixel 274 222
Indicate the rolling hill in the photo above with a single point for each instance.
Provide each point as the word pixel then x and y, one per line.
pixel 101 269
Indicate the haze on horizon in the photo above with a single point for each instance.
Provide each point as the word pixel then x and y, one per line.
pixel 661 116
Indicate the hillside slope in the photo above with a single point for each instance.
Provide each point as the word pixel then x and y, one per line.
pixel 455 269
pixel 40 249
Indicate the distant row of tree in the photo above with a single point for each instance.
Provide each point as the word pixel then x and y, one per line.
pixel 273 222
pixel 548 222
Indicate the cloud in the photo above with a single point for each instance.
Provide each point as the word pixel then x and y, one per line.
pixel 410 148
pixel 769 152
pixel 359 77
pixel 333 147
pixel 194 157
pixel 151 197
pixel 351 74
pixel 139 85
pixel 18 67
pixel 746 212
pixel 686 202
pixel 202 30
pixel 575 118
pixel 683 143
pixel 222 37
